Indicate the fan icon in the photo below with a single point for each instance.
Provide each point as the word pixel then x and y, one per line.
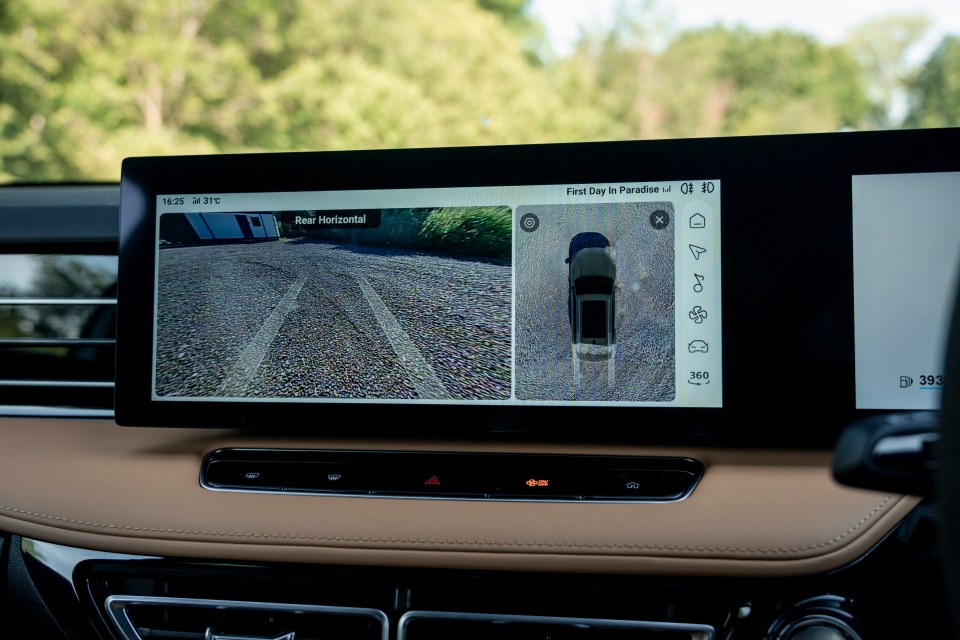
pixel 698 314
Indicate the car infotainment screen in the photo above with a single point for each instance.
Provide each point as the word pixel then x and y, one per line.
pixel 768 287
pixel 571 293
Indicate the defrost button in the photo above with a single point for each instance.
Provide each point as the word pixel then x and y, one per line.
pixel 238 474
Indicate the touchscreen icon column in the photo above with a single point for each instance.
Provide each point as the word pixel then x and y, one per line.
pixel 698 317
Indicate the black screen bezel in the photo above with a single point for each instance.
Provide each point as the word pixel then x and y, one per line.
pixel 787 270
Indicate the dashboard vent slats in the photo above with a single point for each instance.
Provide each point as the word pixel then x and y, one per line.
pixel 58 274
pixel 440 625
pixel 142 617
pixel 56 342
pixel 65 372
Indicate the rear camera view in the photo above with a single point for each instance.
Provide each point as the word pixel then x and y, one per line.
pixel 374 303
pixel 595 302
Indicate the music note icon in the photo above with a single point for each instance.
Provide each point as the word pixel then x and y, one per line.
pixel 698 288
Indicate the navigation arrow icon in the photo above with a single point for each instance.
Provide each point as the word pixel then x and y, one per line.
pixel 697 251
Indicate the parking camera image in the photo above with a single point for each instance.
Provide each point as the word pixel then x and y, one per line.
pixel 595 302
pixel 385 304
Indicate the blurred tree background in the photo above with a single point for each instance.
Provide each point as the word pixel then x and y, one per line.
pixel 85 83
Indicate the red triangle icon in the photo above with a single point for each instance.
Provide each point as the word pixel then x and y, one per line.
pixel 434 480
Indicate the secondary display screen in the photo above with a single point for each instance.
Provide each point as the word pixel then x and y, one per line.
pixel 906 252
pixel 586 294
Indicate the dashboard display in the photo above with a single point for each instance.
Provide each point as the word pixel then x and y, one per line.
pixel 588 294
pixel 768 288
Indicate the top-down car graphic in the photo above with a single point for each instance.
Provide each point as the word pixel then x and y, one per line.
pixel 592 290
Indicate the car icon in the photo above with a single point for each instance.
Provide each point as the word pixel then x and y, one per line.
pixel 698 346
pixel 592 292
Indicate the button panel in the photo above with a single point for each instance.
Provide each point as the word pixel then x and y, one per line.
pixel 481 476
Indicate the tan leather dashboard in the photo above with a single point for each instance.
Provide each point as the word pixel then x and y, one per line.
pixel 95 485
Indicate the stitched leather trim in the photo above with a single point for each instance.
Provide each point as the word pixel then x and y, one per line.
pixel 480 543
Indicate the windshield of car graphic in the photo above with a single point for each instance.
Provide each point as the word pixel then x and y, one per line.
pixel 593 285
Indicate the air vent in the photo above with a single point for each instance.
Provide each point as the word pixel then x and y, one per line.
pixel 139 618
pixel 442 625
pixel 58 274
pixel 56 354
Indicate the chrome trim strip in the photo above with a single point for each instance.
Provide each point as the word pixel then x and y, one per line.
pixel 117 609
pixel 696 631
pixel 87 384
pixel 30 411
pixel 212 635
pixel 904 445
pixel 63 560
pixel 57 301
pixel 822 620
pixel 57 342
pixel 484 498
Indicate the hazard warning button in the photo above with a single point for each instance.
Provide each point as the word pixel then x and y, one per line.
pixel 428 480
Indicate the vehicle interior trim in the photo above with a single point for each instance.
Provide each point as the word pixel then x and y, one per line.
pixel 117 607
pixel 264 455
pixel 94 485
pixel 63 560
pixel 387 496
pixel 29 411
pixel 696 631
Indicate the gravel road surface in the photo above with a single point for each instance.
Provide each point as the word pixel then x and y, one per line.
pixel 311 319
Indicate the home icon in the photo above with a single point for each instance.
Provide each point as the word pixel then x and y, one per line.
pixel 697 221
pixel 632 485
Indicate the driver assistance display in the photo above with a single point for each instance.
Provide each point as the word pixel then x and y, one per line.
pixel 576 293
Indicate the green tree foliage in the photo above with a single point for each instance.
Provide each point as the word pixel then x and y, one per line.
pixel 724 81
pixel 399 229
pixel 470 231
pixel 788 82
pixel 935 91
pixel 513 12
pixel 617 71
pixel 479 231
pixel 88 82
pixel 85 83
pixel 882 46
